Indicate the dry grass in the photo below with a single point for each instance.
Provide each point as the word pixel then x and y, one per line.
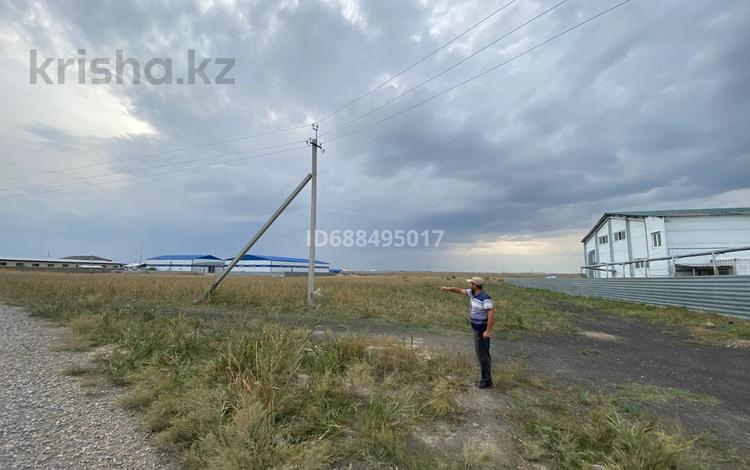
pixel 75 371
pixel 646 393
pixel 410 300
pixel 248 394
pixel 258 395
pixel 413 300
pixel 703 327
pixel 574 428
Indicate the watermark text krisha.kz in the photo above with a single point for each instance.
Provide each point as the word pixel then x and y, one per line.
pixel 128 70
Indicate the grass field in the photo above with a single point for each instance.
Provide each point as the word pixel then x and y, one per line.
pixel 409 300
pixel 253 394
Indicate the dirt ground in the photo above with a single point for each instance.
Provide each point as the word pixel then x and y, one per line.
pixel 648 354
pixel 609 352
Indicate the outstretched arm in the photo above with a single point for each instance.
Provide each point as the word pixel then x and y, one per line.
pixel 454 290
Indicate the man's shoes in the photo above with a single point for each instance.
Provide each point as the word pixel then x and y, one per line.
pixel 484 384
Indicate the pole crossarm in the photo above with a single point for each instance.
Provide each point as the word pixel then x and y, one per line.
pixel 220 277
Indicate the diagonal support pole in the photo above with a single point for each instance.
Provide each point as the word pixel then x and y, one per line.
pixel 220 277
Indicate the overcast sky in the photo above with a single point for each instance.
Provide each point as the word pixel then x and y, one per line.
pixel 646 107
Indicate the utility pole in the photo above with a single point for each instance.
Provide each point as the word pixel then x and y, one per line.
pixel 221 275
pixel 313 214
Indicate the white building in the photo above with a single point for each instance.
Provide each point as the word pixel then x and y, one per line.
pixel 203 264
pixel 631 238
pixel 276 264
pixel 85 262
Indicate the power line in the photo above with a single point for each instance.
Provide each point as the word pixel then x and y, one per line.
pixel 177 170
pixel 209 157
pixel 485 72
pixel 432 97
pixel 444 71
pixel 236 139
pixel 156 154
pixel 404 70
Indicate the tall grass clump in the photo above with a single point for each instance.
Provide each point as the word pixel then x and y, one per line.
pixel 578 429
pixel 265 396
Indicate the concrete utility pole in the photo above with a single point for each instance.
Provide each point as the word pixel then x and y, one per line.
pixel 313 215
pixel 312 176
pixel 220 277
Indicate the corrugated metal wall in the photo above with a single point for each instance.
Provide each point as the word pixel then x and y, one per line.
pixel 724 294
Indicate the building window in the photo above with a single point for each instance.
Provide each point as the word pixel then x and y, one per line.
pixel 35 265
pixel 620 235
pixel 65 265
pixel 592 257
pixel 641 264
pixel 3 263
pixel 604 239
pixel 656 239
pixel 50 265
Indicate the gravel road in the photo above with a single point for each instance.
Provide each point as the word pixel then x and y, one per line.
pixel 47 420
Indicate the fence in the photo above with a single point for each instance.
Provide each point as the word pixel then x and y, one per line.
pixel 738 266
pixel 722 294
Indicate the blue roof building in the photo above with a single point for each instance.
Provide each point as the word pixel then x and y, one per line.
pixel 183 257
pixel 201 264
pixel 276 264
pixel 276 258
pixel 208 264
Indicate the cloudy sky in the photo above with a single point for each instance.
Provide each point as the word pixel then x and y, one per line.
pixel 645 107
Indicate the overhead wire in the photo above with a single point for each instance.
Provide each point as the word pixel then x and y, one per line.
pixel 481 74
pixel 155 154
pixel 446 70
pixel 236 139
pixel 209 157
pixel 356 131
pixel 414 64
pixel 177 170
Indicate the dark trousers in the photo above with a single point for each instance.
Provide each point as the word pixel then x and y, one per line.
pixel 482 346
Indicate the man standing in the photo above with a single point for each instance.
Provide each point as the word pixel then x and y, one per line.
pixel 482 318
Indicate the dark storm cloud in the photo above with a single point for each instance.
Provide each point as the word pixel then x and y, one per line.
pixel 646 107
pixel 577 148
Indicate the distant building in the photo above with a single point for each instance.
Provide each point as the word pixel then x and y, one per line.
pixel 90 258
pixel 276 264
pixel 641 235
pixel 204 264
pixel 70 262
